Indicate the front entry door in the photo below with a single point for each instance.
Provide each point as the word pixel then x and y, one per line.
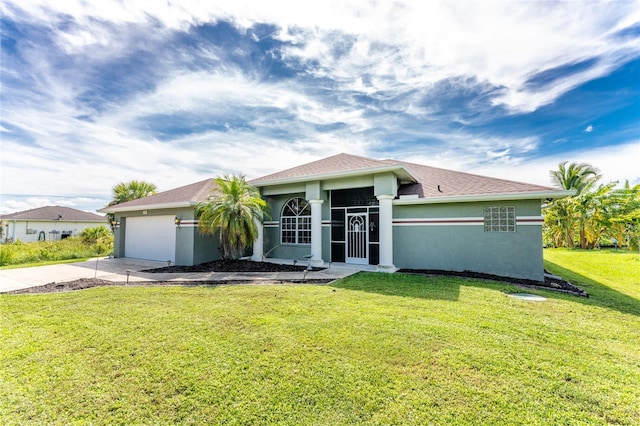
pixel 357 238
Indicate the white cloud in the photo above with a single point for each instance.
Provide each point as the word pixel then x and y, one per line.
pixel 499 42
pixel 589 128
pixel 616 163
pixel 14 204
pixel 395 51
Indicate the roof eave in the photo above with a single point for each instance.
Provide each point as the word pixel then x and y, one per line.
pixel 175 205
pixel 542 195
pixel 404 173
pixel 25 219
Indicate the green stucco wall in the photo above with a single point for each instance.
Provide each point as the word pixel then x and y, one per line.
pixel 468 247
pixel 447 247
pixel 192 247
pixel 272 246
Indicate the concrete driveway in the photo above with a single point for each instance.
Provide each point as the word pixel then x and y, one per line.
pixel 103 268
pixel 110 269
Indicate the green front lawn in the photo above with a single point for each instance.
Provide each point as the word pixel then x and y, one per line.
pixel 371 349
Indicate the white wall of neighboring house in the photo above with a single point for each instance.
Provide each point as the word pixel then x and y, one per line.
pixel 30 230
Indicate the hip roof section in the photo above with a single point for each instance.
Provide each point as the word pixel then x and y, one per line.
pixel 415 179
pixel 184 196
pixel 57 213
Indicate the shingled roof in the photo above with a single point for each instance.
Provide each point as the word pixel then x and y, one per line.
pixel 436 182
pixel 338 166
pixel 184 196
pixel 416 179
pixel 57 213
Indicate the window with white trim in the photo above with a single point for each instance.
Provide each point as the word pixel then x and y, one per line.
pixel 500 219
pixel 296 222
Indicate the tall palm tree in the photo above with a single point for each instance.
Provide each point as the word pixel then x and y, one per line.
pixel 580 177
pixel 233 209
pixel 577 176
pixel 127 191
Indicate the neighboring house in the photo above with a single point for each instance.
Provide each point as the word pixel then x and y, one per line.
pixel 357 210
pixel 48 223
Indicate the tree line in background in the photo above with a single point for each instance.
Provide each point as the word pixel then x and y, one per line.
pixel 597 214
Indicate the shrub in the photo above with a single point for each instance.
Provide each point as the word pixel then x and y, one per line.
pixel 95 234
pixel 5 255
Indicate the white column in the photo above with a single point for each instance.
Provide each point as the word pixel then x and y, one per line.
pixel 316 232
pixel 386 233
pixel 258 244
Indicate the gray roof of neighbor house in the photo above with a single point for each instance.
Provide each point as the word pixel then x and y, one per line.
pixel 184 196
pixel 415 179
pixel 57 213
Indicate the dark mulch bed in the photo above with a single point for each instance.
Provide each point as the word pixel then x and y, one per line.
pixel 85 283
pixel 232 266
pixel 215 266
pixel 550 282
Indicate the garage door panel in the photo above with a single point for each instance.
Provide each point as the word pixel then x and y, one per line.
pixel 151 238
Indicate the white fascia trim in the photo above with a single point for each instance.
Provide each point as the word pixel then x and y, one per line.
pixel 338 175
pixel 116 209
pixel 485 197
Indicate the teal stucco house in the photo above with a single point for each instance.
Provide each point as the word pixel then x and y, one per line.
pixel 356 210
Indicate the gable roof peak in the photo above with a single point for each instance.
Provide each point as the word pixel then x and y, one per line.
pixel 335 165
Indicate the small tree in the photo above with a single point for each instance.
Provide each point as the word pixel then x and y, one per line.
pixel 233 209
pixel 94 235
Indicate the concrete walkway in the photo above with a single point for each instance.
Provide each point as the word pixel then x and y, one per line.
pixel 109 269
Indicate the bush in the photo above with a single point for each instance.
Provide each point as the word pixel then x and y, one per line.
pixel 5 255
pixel 95 235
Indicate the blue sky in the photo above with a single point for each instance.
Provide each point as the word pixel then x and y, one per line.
pixel 176 92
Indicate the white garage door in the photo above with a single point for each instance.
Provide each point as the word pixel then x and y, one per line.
pixel 150 238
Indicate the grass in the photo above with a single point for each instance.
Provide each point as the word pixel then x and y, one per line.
pixel 21 254
pixel 617 270
pixel 370 349
pixel 45 263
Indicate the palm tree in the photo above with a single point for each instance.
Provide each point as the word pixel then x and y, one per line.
pixel 127 191
pixel 233 209
pixel 94 235
pixel 579 177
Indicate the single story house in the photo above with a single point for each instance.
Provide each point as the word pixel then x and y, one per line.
pixel 356 210
pixel 48 223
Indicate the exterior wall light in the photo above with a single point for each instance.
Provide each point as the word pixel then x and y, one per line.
pixel 177 221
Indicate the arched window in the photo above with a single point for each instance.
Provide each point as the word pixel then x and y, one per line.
pixel 296 222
